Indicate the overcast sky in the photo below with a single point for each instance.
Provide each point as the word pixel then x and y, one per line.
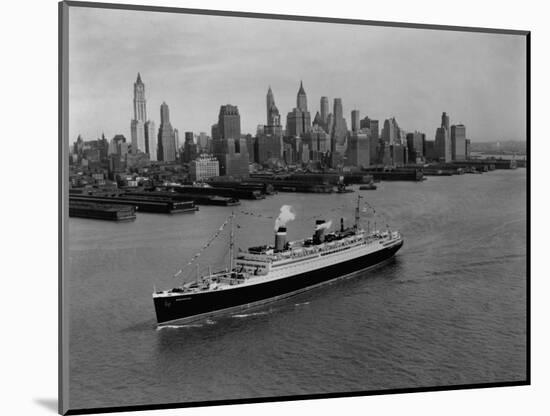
pixel 197 63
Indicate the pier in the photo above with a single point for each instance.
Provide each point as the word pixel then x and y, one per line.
pixel 491 163
pixel 281 184
pixel 198 199
pixel 96 211
pixel 332 178
pixel 243 186
pixel 199 191
pixel 396 174
pixel 152 204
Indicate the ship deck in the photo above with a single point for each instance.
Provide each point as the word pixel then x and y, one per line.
pixel 279 265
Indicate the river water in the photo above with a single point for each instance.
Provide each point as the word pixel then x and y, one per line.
pixel 449 309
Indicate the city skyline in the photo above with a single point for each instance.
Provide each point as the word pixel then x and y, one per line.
pixel 196 72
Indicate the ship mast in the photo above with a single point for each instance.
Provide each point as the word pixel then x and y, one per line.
pixel 231 244
pixel 356 225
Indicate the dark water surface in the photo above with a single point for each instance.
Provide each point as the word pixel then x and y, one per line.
pixel 449 309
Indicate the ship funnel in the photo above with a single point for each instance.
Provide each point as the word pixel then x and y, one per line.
pixel 280 239
pixel 319 235
pixel 341 225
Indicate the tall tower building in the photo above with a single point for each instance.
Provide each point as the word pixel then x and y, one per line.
pixel 391 131
pixel 339 127
pixel 330 123
pixel 324 109
pixel 355 121
pixel 140 112
pixel 150 140
pixel 458 142
pixel 270 102
pixel 358 151
pixel 298 121
pixel 229 122
pixel 166 139
pixel 443 146
pixel 190 148
pixel 301 99
pixel 177 140
pixel 137 134
pixel 317 120
pixel 227 145
pixel 416 143
pixel 445 120
pixel 273 116
pixel 142 131
pixel 137 126
pixel 269 138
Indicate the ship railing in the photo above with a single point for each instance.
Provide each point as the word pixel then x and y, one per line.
pixel 264 258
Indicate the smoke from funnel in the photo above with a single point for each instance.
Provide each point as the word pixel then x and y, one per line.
pixel 285 215
pixel 324 225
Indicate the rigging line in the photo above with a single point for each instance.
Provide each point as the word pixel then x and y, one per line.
pixel 380 215
pixel 204 247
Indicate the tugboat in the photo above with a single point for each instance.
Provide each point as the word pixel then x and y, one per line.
pixel 270 272
pixel 368 187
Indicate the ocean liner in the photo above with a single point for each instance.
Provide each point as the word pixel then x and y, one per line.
pixel 266 273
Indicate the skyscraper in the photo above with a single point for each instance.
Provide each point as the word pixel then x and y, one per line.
pixel 355 121
pixel 229 122
pixel 339 127
pixel 318 141
pixel 374 129
pixel 301 99
pixel 442 145
pixel 137 134
pixel 204 142
pixel 324 110
pixel 415 146
pixel 270 102
pixel 358 151
pixel 140 116
pixel 330 123
pixel 215 131
pixel 177 140
pixel 190 151
pixel 298 121
pixel 317 120
pixel 141 129
pixel 150 140
pixel 445 121
pixel 458 142
pixel 140 112
pixel 443 140
pixel 227 145
pixel 266 147
pixel 273 126
pixel 390 131
pixel 269 138
pixel 166 139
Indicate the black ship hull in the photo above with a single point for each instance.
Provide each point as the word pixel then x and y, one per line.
pixel 189 307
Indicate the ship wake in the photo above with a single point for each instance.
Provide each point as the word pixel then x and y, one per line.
pixel 246 315
pixel 179 326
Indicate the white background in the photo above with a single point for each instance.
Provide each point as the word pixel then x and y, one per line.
pixel 29 206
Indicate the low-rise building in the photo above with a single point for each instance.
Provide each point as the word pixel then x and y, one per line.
pixel 204 167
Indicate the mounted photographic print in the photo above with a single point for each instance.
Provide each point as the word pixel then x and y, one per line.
pixel 265 207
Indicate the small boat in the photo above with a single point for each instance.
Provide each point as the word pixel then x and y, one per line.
pixel 368 187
